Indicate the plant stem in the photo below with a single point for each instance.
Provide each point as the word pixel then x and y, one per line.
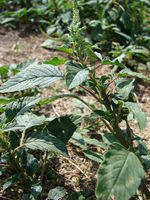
pixel 44 167
pixel 56 8
pixel 90 92
pixel 22 138
pixel 21 142
pixel 16 149
pixel 114 124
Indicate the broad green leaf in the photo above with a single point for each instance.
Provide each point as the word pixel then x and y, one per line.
pixel 139 115
pixel 146 159
pixel 52 44
pixel 109 139
pixel 40 75
pixel 78 140
pixel 56 193
pixel 140 50
pixel 4 70
pixel 75 74
pixel 11 181
pixel 95 156
pixel 113 63
pixel 123 35
pixel 20 106
pixel 124 88
pixel 5 100
pixel 26 64
pixel 95 142
pixel 14 140
pixel 64 49
pixel 120 174
pixel 128 73
pixel 51 29
pixel 97 114
pixel 31 164
pixel 33 193
pixel 24 122
pixel 141 145
pixel 64 127
pixel 98 55
pixel 55 61
pixel 43 141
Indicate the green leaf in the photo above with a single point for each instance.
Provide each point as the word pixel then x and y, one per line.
pixel 20 106
pixel 98 55
pixel 77 139
pixel 56 193
pixel 11 181
pixel 95 156
pixel 43 141
pixel 128 73
pixel 123 35
pixel 34 192
pixel 109 139
pixel 4 70
pixel 24 122
pixel 146 159
pixel 55 61
pixel 51 29
pixel 26 64
pixel 124 88
pixel 64 127
pixel 141 145
pixel 97 114
pixel 139 115
pixel 120 174
pixel 113 63
pixel 41 75
pixel 75 74
pixel 5 100
pixel 51 44
pixel 95 142
pixel 140 50
pixel 31 164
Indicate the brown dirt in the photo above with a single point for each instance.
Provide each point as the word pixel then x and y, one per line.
pixel 14 48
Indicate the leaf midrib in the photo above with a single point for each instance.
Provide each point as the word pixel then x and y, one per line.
pixel 117 178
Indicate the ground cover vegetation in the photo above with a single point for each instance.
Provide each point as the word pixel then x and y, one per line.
pixel 28 139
